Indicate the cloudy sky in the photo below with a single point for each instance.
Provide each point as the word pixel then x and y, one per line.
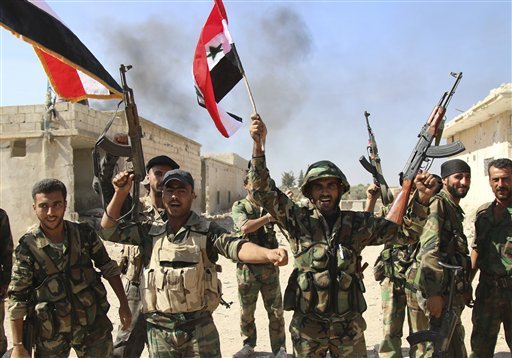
pixel 314 67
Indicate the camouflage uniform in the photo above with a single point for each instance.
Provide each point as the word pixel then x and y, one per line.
pixel 325 290
pixel 5 271
pixel 130 342
pixel 443 240
pixel 397 295
pixel 255 278
pixel 171 332
pixel 60 285
pixel 493 302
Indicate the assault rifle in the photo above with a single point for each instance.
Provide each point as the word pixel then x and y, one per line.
pixel 442 335
pixel 423 151
pixel 373 166
pixel 133 150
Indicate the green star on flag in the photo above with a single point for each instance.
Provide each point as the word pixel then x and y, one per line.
pixel 214 50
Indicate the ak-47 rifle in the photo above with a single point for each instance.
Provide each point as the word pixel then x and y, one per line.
pixel 373 166
pixel 423 151
pixel 133 150
pixel 442 335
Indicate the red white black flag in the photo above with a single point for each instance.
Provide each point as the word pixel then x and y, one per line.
pixel 217 69
pixel 73 71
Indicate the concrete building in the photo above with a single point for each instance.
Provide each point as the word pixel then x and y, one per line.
pixel 36 144
pixel 486 131
pixel 223 175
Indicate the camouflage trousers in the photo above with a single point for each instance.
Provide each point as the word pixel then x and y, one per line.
pixel 130 342
pixel 3 338
pixel 395 300
pixel 94 340
pixel 492 306
pixel 264 279
pixel 199 339
pixel 312 337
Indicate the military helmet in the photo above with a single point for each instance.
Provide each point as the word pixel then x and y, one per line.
pixel 323 169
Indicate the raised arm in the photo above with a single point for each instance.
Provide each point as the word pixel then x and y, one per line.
pixel 122 183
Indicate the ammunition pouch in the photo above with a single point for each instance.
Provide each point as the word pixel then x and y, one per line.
pixel 323 283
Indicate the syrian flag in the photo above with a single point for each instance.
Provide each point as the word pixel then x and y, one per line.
pixel 217 69
pixel 74 72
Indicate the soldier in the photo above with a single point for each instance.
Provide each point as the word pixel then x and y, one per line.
pixel 130 342
pixel 325 290
pixel 492 254
pixel 257 226
pixel 443 240
pixel 6 246
pixel 397 294
pixel 53 277
pixel 180 289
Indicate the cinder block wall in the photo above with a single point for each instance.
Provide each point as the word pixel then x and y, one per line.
pixel 29 153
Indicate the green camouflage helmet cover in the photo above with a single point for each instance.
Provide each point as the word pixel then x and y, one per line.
pixel 323 169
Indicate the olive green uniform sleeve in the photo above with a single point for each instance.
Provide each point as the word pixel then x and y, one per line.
pixel 21 288
pixel 239 215
pixel 220 241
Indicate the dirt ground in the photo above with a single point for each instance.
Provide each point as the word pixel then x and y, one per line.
pixel 227 320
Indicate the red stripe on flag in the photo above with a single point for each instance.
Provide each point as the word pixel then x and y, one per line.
pixel 64 78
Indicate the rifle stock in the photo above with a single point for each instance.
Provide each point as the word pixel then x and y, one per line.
pixel 397 212
pixel 423 150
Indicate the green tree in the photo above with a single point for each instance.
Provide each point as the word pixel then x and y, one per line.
pixel 300 179
pixel 288 179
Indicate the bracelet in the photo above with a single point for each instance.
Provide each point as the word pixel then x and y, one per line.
pixel 17 344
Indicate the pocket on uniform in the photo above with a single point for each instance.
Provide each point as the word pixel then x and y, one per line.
pixel 322 283
pixel 148 290
pixel 63 316
pixel 306 287
pixel 161 291
pixel 86 309
pixel 193 288
pixel 44 315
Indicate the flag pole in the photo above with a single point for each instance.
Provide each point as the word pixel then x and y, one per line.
pixel 242 71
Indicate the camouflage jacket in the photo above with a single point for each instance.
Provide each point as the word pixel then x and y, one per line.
pixel 327 258
pixel 6 247
pixel 443 240
pixel 395 259
pixel 493 242
pixel 28 273
pixel 242 211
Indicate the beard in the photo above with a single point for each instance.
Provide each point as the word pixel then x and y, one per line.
pixel 456 194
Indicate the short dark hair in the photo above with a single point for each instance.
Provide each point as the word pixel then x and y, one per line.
pixel 500 163
pixel 47 186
